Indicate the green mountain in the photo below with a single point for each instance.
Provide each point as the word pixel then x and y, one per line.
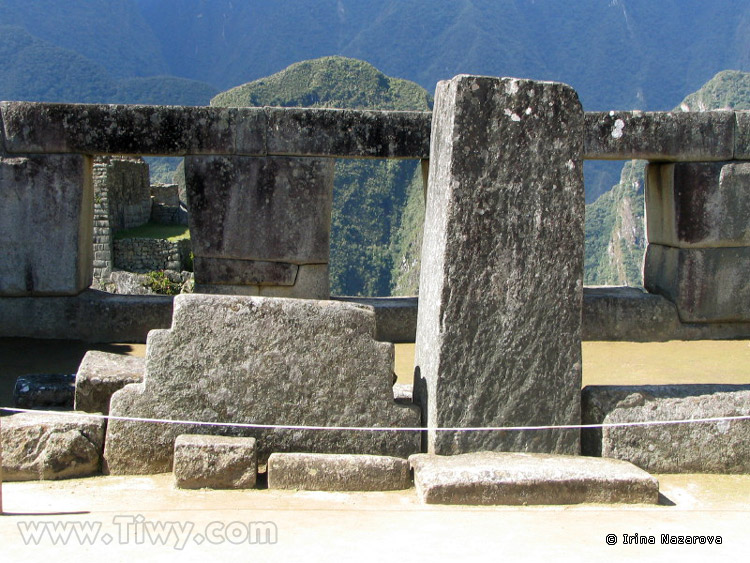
pixel 374 203
pixel 615 241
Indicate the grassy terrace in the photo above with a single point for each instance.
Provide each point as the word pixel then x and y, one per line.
pixel 156 231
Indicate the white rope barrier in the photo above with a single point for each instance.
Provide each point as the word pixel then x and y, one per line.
pixel 381 428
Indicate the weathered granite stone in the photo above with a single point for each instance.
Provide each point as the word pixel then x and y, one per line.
pixel 132 130
pixel 267 209
pixel 215 462
pixel 403 392
pixel 46 210
pixel 337 472
pixel 395 317
pixel 598 401
pixel 46 446
pixel 262 361
pixel 499 326
pixel 93 316
pixel 100 375
pixel 628 313
pixel 228 271
pixel 698 205
pixel 346 132
pixel 44 391
pixel 742 135
pixel 671 136
pixel 486 478
pixel 705 447
pixel 706 284
pixel 312 281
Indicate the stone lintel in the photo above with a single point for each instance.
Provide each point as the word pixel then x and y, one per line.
pixel 660 136
pixel 350 133
pixel 38 127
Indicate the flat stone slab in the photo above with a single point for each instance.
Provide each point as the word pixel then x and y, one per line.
pixel 48 446
pixel 257 360
pixel 705 447
pixel 337 472
pixel 671 136
pixel 215 462
pixel 44 391
pixel 487 478
pixel 100 375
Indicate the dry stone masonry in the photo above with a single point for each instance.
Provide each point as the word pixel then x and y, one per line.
pixel 499 326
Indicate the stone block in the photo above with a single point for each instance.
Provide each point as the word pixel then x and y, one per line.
pixel 262 361
pixel 742 135
pixel 44 391
pixel 46 214
pixel 215 462
pixel 227 271
pixel 487 478
pixel 132 130
pixel 705 447
pixel 93 316
pixel 350 133
pixel 499 322
pixel 628 313
pixel 666 136
pixel 100 375
pixel 337 472
pixel 312 281
pixel 265 209
pixel 396 317
pixel 707 285
pixel 48 446
pixel 698 205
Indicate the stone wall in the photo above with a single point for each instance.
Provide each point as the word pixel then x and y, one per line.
pixel 147 254
pixel 121 201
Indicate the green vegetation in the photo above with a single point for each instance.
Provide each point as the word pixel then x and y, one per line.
pixel 369 229
pixel 155 230
pixel 159 283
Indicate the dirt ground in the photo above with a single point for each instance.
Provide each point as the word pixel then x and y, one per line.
pixel 125 514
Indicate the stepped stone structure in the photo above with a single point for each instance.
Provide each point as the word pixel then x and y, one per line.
pixel 499 325
pixel 259 360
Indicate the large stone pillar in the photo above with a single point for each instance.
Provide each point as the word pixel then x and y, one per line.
pixel 260 226
pixel 698 253
pixel 499 326
pixel 46 225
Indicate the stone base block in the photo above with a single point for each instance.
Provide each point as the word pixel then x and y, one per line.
pixel 100 375
pixel 705 447
pixel 707 285
pixel 215 462
pixel 233 359
pixel 487 478
pixel 44 391
pixel 45 446
pixel 337 472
